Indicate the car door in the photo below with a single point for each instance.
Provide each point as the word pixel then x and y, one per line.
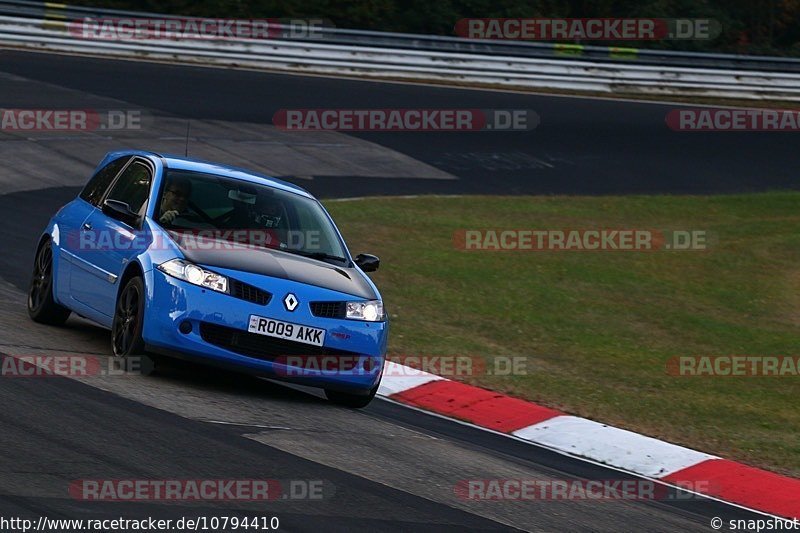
pixel 73 215
pixel 110 240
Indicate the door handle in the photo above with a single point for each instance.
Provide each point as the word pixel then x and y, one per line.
pixel 87 226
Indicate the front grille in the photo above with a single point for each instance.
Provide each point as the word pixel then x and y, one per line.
pixel 329 309
pixel 259 346
pixel 243 291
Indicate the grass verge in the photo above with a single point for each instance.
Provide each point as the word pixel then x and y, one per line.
pixel 599 327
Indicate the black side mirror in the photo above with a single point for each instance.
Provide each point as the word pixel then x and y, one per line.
pixel 368 262
pixel 120 211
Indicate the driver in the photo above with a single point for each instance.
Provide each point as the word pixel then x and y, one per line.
pixel 175 200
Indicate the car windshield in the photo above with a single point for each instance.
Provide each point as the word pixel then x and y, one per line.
pixel 216 207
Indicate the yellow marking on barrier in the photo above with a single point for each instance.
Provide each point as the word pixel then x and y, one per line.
pixel 568 49
pixel 53 5
pixel 622 53
pixel 52 15
pixel 54 25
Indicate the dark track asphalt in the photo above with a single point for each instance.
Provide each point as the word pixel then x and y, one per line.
pixel 57 430
pixel 102 436
pixel 582 146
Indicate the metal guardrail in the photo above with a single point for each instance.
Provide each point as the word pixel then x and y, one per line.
pixel 406 56
pixel 43 10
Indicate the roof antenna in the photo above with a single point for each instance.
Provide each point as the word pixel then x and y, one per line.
pixel 186 150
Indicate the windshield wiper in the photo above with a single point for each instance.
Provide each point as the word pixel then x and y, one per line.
pixel 314 255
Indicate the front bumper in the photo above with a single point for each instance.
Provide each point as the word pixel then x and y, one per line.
pixel 350 360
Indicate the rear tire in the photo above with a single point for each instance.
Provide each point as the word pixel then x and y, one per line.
pixel 353 401
pixel 42 307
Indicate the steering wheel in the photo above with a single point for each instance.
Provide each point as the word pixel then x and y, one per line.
pixel 224 217
pixel 200 214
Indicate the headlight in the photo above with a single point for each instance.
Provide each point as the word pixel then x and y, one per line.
pixel 195 275
pixel 371 310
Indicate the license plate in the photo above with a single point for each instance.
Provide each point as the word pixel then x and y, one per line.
pixel 286 330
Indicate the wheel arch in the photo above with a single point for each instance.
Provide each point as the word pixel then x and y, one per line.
pixel 131 271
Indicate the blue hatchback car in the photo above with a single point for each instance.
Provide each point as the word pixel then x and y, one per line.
pixel 191 259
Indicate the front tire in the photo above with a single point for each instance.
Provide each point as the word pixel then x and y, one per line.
pixel 42 307
pixel 353 401
pixel 126 329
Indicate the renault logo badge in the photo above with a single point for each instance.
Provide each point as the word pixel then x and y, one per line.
pixel 291 302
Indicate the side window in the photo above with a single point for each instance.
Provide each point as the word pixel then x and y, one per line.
pixel 133 187
pixel 97 186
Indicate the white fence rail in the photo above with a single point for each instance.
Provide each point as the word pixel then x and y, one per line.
pixel 410 64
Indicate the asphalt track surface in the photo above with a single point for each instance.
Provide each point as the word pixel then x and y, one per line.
pixel 582 146
pixel 385 467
